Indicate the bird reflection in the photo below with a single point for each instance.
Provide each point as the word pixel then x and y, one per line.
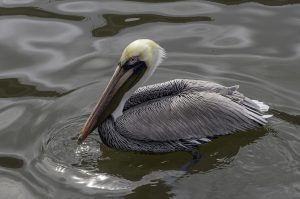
pixel 134 166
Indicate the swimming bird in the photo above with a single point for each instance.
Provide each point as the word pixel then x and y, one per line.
pixel 177 115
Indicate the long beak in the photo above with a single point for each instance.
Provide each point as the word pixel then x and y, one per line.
pixel 121 81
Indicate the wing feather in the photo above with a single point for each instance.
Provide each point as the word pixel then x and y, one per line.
pixel 193 113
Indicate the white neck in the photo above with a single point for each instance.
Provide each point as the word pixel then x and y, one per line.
pixel 158 55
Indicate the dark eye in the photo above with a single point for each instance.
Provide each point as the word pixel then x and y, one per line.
pixel 130 63
pixel 132 60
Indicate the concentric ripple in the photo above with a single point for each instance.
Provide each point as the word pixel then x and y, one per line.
pixel 61 145
pixel 80 165
pixel 76 164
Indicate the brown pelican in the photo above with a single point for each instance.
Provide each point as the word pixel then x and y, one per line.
pixel 177 115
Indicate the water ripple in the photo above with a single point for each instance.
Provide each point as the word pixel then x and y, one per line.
pixel 37 12
pixel 264 2
pixel 10 115
pixel 179 8
pixel 12 87
pixel 15 2
pixel 116 23
pixel 11 162
pixel 56 58
pixel 14 188
pixel 38 45
pixel 62 144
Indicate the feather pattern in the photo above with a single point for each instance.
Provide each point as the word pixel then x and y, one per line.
pixel 180 115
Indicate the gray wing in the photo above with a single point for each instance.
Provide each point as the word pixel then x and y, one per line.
pixel 187 109
pixel 175 87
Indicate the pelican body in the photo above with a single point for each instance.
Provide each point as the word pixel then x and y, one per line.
pixel 177 115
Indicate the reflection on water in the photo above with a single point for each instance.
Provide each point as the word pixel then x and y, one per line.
pixel 56 58
pixel 11 162
pixel 115 23
pixel 37 12
pixel 293 119
pixel 12 87
pixel 265 2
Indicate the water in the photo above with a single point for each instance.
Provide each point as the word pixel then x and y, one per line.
pixel 57 56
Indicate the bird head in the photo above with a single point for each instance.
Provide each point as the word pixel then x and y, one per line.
pixel 137 63
pixel 143 50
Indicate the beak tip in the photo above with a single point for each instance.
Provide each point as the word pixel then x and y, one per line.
pixel 79 140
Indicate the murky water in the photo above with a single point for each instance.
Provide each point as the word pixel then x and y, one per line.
pixel 57 56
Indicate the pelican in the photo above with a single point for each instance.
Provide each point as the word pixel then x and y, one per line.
pixel 177 115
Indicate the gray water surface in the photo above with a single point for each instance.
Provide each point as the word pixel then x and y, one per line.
pixel 57 56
